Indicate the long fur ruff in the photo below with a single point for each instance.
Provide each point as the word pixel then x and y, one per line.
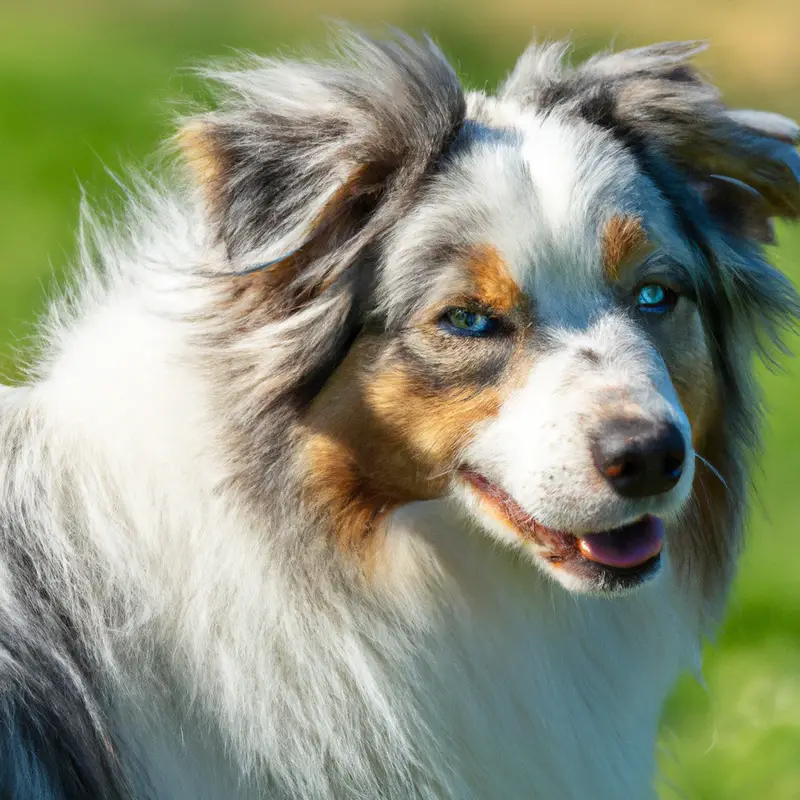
pixel 223 574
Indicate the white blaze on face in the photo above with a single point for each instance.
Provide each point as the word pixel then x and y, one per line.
pixel 591 364
pixel 538 448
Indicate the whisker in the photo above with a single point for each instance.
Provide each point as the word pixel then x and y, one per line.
pixel 713 470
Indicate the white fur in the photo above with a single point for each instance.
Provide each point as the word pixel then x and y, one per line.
pixel 547 467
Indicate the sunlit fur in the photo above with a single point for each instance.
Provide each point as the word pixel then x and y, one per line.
pixel 238 557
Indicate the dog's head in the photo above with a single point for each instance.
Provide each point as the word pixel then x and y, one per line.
pixel 542 304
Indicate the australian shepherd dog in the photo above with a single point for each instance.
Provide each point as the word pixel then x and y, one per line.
pixel 398 448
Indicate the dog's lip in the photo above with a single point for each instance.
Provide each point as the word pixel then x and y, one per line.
pixel 627 547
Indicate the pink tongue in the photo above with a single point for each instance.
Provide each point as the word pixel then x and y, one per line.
pixel 629 546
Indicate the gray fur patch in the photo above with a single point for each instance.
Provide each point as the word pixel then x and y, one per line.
pixel 323 158
pixel 56 740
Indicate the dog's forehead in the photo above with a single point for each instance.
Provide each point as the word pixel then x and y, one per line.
pixel 539 192
pixel 546 193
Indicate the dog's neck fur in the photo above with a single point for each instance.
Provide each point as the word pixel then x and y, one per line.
pixel 449 664
pixel 470 675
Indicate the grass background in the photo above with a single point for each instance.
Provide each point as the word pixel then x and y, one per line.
pixel 86 84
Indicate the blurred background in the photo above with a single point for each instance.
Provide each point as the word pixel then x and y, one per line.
pixel 87 85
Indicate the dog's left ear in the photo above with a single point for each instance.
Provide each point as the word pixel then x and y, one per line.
pixel 743 163
pixel 303 171
pixel 305 164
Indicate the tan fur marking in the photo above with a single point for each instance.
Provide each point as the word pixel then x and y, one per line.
pixel 710 538
pixel 258 298
pixel 706 546
pixel 200 156
pixel 364 184
pixel 688 357
pixel 492 281
pixel 377 440
pixel 707 542
pixel 700 403
pixel 623 239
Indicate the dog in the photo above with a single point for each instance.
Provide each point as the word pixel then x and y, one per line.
pixel 395 443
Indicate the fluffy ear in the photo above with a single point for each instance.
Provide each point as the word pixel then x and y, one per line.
pixel 743 163
pixel 313 160
pixel 304 168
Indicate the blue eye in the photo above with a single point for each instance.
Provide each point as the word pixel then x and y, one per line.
pixel 656 299
pixel 463 322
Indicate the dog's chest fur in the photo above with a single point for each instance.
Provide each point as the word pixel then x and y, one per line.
pixel 469 677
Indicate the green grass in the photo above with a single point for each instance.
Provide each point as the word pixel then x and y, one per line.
pixel 87 88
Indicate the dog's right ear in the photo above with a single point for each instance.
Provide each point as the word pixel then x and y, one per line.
pixel 311 162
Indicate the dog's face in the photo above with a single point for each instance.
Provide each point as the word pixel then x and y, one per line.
pixel 541 358
pixel 536 306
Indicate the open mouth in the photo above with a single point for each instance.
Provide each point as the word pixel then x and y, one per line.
pixel 616 558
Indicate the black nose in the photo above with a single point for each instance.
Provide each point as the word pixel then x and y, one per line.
pixel 639 457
